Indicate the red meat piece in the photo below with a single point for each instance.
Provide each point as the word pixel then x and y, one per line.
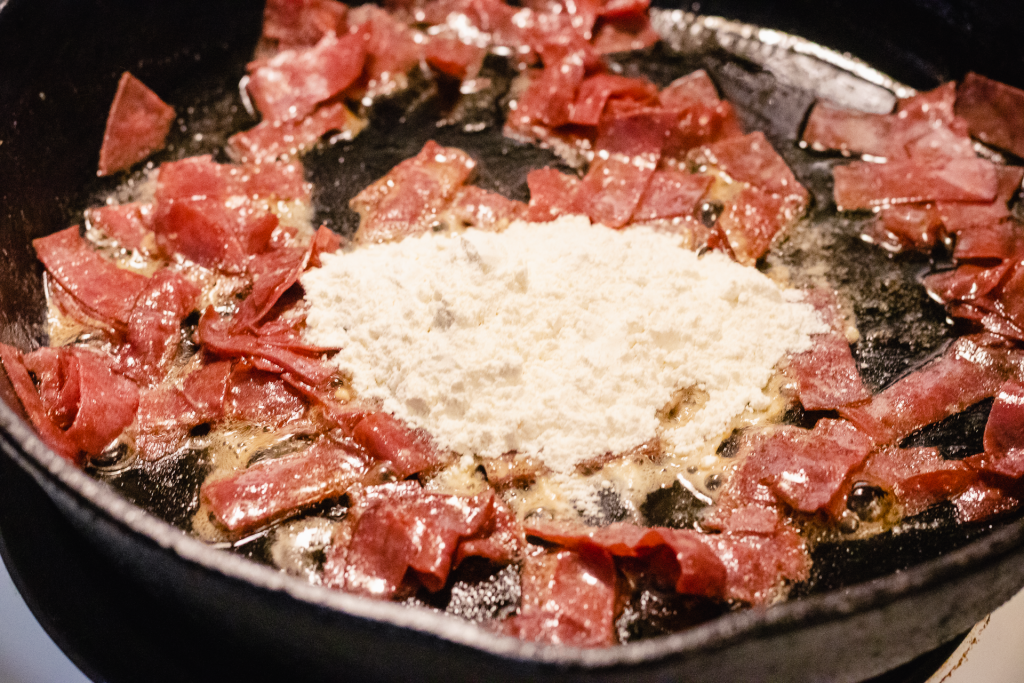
pixel 917 477
pixel 205 390
pixel 271 140
pixel 757 566
pixel 803 468
pixel 325 241
pixel 105 291
pixel 1009 298
pixel 164 418
pixel 701 123
pixel 967 373
pixel 981 501
pixel 477 208
pixel 268 180
pixel 629 148
pixel 501 539
pixel 985 242
pixel 752 220
pixel 302 23
pixel 994 112
pixel 552 194
pixel 862 185
pixel 386 438
pixel 50 433
pixel 453 57
pixel 934 106
pixel 301 361
pixel 595 91
pixel 693 88
pixel 391 50
pixel 625 34
pixel 569 598
pixel 290 84
pixel 277 488
pixel 611 191
pixel 273 273
pixel 549 97
pixel 908 226
pixel 129 224
pixel 403 533
pixel 208 213
pixel 695 570
pixel 962 216
pixel 154 327
pixel 166 414
pixel 965 283
pixel 621 9
pixel 263 397
pixel 91 403
pixel 847 131
pixel 827 375
pixel 940 145
pixel 201 230
pixel 751 159
pixel 137 126
pixel 57 383
pixel 409 199
pixel 671 193
pixel 1004 432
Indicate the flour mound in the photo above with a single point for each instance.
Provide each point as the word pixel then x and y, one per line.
pixel 561 339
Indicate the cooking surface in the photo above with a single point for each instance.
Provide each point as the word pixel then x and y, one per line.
pixel 120 633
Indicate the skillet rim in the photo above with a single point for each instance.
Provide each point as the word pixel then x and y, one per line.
pixel 55 474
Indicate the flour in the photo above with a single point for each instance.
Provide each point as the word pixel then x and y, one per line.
pixel 562 339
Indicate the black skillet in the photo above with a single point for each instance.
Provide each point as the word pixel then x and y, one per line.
pixel 870 605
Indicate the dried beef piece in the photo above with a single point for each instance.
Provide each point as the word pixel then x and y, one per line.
pixel 271 140
pixel 552 194
pixel 474 207
pixel 830 128
pixel 409 199
pixel 595 91
pixel 129 224
pixel 993 112
pixel 752 220
pixel 569 598
pixel 92 404
pixel 827 375
pixel 752 159
pixel 137 126
pixel 967 373
pixel 273 489
pixel 454 58
pixel 272 348
pixel 302 23
pixel 105 291
pixel 154 326
pixel 1004 433
pixel 803 469
pixel 917 477
pixel 629 148
pixel 679 556
pixel 407 450
pixel 863 185
pixel 671 194
pixel 402 536
pixel 293 82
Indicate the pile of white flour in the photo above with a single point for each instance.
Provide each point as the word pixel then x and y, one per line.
pixel 559 339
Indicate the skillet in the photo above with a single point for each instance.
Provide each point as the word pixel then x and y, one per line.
pixel 886 600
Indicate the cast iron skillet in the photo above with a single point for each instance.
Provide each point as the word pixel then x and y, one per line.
pixel 59 64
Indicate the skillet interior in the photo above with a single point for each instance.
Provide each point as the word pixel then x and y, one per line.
pixel 51 117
